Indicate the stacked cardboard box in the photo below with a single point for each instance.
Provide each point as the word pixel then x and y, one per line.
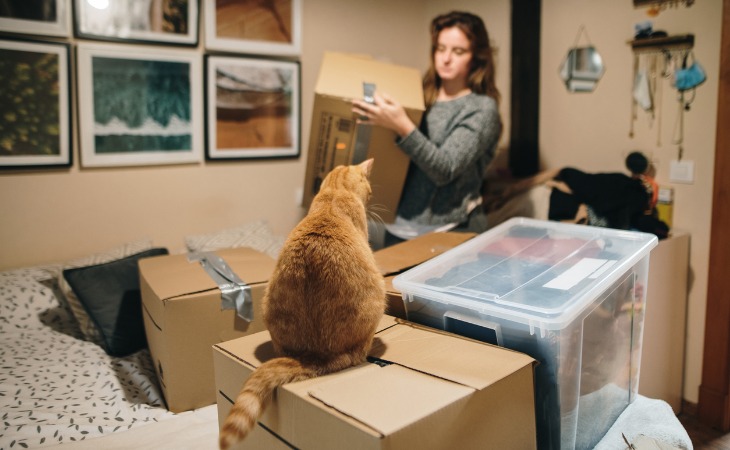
pixel 183 318
pixel 183 314
pixel 428 390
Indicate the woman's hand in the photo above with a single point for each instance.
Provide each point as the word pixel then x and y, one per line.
pixel 384 112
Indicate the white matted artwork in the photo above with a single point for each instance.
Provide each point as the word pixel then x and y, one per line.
pixel 139 105
pixel 252 108
pixel 43 17
pixel 163 21
pixel 35 104
pixel 271 27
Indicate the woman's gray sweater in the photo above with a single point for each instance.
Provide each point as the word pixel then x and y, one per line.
pixel 449 154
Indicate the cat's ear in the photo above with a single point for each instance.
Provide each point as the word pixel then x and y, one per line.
pixel 366 166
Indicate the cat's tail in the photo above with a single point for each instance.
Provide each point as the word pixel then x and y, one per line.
pixel 255 395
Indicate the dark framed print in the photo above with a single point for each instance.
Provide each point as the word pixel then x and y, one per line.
pixel 251 26
pixel 35 124
pixel 158 21
pixel 36 17
pixel 252 108
pixel 139 105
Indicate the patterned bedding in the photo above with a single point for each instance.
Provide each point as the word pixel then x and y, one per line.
pixel 56 387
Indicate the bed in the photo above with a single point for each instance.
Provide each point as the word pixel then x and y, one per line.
pixel 59 385
pixel 59 388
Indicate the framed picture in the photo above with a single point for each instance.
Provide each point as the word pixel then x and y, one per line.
pixel 166 21
pixel 39 17
pixel 35 110
pixel 252 108
pixel 139 106
pixel 272 27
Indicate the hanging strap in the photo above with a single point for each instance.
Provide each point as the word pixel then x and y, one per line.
pixel 679 127
pixel 362 135
pixel 633 100
pixel 582 31
pixel 684 104
pixel 656 79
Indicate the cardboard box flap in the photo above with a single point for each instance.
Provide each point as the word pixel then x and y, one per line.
pixel 476 364
pixel 399 257
pixel 342 75
pixel 257 348
pixel 388 398
pixel 174 275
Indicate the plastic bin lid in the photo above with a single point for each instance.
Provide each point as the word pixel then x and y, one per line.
pixel 529 268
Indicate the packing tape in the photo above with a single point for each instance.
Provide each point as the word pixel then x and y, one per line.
pixel 235 294
pixel 362 136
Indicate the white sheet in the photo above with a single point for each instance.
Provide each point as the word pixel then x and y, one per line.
pixel 56 387
pixel 194 430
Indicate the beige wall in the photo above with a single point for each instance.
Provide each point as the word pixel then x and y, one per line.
pixel 55 215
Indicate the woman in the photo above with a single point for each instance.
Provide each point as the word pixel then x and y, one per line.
pixel 457 136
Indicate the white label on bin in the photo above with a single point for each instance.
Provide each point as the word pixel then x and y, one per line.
pixel 575 274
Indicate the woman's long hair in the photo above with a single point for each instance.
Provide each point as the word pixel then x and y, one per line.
pixel 481 72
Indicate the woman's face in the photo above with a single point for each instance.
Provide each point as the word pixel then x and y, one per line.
pixel 452 57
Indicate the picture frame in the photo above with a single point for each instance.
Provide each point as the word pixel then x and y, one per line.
pixel 139 106
pixel 173 22
pixel 249 27
pixel 252 108
pixel 21 16
pixel 35 106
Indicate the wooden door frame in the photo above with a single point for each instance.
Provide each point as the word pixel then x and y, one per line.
pixel 713 407
pixel 524 153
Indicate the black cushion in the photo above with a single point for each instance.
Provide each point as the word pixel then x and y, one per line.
pixel 110 294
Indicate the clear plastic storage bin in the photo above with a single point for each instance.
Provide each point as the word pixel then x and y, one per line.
pixel 571 296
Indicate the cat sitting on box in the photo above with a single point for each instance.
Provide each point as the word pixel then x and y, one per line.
pixel 324 300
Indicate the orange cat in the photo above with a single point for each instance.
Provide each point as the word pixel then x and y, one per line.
pixel 324 300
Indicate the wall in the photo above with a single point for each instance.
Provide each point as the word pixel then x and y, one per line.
pixel 56 215
pixel 591 131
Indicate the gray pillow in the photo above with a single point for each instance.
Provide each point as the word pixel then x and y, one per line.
pixel 69 299
pixel 110 294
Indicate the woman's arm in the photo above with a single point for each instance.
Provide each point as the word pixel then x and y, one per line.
pixel 470 132
pixel 469 135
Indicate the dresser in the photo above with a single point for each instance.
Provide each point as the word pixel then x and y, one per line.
pixel 665 322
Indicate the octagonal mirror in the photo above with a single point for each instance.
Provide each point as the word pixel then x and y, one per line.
pixel 581 69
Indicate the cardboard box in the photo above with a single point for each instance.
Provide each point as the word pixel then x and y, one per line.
pixel 431 390
pixel 335 139
pixel 183 319
pixel 401 257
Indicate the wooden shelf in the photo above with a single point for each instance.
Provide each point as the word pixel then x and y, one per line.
pixel 641 3
pixel 679 42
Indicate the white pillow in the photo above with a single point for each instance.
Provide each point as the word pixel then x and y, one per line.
pixel 256 235
pixel 88 329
